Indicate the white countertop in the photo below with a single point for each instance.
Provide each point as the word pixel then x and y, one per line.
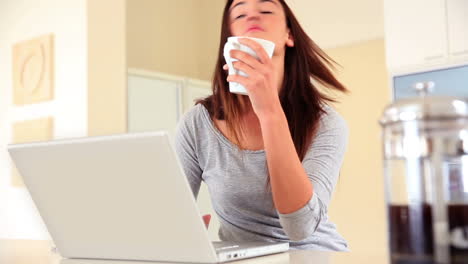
pixel 39 252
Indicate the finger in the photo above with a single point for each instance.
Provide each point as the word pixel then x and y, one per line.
pixel 247 59
pixel 225 67
pixel 239 79
pixel 239 65
pixel 257 48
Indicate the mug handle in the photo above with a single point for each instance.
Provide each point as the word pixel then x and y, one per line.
pixel 227 48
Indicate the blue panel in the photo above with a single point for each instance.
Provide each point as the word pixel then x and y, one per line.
pixel 450 81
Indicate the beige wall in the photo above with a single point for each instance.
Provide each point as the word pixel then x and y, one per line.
pixel 358 205
pixel 209 36
pixel 178 37
pixel 107 69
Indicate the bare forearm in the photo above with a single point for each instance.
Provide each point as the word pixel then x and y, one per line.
pixel 291 187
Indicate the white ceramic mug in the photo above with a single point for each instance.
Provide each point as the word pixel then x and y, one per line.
pixel 233 44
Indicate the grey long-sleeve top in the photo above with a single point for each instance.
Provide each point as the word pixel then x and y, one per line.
pixel 238 186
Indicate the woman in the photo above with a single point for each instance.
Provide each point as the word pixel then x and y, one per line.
pixel 271 159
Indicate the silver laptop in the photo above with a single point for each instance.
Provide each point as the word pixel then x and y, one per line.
pixel 122 197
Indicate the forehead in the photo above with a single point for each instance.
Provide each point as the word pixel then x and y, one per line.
pixel 242 2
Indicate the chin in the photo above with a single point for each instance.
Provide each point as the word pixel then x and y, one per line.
pixel 256 33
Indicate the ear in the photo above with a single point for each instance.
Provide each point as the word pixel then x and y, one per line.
pixel 290 39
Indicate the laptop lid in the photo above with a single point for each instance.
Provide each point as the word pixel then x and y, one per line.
pixel 115 197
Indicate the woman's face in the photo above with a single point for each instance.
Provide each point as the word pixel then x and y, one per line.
pixel 260 19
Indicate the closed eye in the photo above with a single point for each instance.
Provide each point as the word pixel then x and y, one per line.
pixel 262 12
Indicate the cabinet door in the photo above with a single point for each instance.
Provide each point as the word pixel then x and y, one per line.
pixel 195 90
pixel 457 11
pixel 448 82
pixel 153 104
pixel 415 32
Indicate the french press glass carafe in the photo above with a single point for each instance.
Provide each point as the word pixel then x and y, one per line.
pixel 425 143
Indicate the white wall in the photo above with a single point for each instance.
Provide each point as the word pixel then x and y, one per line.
pixel 22 20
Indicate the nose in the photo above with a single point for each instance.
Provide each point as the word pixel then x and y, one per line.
pixel 253 15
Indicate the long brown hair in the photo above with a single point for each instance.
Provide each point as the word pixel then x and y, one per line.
pixel 301 100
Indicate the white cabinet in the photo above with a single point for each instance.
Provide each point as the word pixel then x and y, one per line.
pixel 447 81
pixel 154 103
pixel 157 101
pixel 414 32
pixel 457 18
pixel 195 90
pixel 425 32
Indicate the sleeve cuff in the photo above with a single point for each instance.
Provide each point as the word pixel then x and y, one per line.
pixel 311 207
pixel 302 223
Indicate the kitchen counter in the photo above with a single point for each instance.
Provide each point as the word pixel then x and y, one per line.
pixel 39 252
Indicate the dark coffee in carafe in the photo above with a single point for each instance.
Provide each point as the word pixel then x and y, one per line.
pixel 425 147
pixel 411 234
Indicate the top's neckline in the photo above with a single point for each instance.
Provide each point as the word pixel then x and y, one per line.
pixel 222 138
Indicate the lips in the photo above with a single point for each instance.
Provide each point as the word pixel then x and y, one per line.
pixel 252 28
